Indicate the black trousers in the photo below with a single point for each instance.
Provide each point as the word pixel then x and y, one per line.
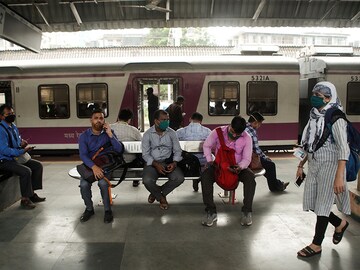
pixel 321 225
pixel 30 175
pixel 246 176
pixel 274 184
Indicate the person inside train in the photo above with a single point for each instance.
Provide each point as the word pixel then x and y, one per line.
pixel 125 132
pixel 274 184
pixel 90 142
pixel 176 113
pixel 153 104
pixel 230 107
pixel 12 147
pixel 218 109
pixel 235 138
pixel 161 151
pixel 325 182
pixel 195 132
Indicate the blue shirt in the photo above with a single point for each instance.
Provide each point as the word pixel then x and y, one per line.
pixel 6 152
pixel 90 143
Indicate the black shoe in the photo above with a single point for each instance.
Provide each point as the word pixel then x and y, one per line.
pixel 196 185
pixel 35 198
pixel 108 217
pixel 284 186
pixel 27 204
pixel 86 215
pixel 136 183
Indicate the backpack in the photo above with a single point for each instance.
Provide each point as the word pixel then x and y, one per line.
pixel 353 137
pixel 225 157
pixel 190 164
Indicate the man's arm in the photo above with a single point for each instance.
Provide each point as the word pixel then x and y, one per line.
pixel 247 151
pixel 209 144
pixel 5 149
pixel 84 152
pixel 146 149
pixel 176 147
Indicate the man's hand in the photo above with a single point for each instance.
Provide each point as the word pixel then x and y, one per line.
pixel 29 148
pixel 234 169
pixel 159 168
pixel 108 130
pixel 23 143
pixel 170 167
pixel 209 164
pixel 98 172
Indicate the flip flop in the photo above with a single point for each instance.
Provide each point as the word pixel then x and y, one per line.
pixel 308 252
pixel 339 235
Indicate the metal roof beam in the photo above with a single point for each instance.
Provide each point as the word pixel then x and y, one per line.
pixel 76 14
pixel 259 9
pixel 41 14
pixel 329 10
pixel 356 16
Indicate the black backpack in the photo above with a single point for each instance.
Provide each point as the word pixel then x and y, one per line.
pixel 190 164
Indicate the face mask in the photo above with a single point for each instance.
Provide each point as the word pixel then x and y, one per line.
pixel 317 102
pixel 10 118
pixel 232 137
pixel 164 125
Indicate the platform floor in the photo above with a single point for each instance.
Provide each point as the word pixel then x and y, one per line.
pixel 143 236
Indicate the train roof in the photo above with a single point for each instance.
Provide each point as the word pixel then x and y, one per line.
pixel 154 63
pixel 343 63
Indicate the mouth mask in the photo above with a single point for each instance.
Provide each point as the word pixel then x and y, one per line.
pixel 10 118
pixel 164 125
pixel 232 137
pixel 317 102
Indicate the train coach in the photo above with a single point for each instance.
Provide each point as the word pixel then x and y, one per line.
pixel 53 99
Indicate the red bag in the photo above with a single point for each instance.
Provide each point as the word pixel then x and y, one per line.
pixel 225 157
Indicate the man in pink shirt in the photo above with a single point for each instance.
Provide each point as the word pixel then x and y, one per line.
pixel 238 139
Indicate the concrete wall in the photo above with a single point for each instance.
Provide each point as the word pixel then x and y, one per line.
pixel 9 192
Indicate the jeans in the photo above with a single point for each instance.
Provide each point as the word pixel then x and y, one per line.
pixel 86 194
pixel 150 176
pixel 30 175
pixel 274 184
pixel 246 176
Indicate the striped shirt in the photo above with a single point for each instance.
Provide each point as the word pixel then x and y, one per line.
pixel 256 148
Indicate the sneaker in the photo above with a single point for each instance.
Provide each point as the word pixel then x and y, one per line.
pixel 35 198
pixel 246 219
pixel 86 215
pixel 209 219
pixel 27 204
pixel 108 217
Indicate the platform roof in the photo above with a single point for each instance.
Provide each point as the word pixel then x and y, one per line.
pixel 67 15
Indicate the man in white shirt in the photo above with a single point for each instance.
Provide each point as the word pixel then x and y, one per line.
pixel 125 132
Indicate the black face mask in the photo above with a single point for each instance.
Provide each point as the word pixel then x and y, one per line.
pixel 10 118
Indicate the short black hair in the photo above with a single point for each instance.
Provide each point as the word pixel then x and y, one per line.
pixel 197 116
pixel 4 107
pixel 96 111
pixel 125 114
pixel 256 116
pixel 180 98
pixel 238 124
pixel 150 90
pixel 157 113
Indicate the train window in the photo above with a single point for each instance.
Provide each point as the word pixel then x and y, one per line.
pixel 54 101
pixel 2 98
pixel 262 97
pixel 91 96
pixel 353 98
pixel 224 98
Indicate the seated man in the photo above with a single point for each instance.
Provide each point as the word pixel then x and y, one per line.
pixel 125 132
pixel 195 132
pixel 161 151
pixel 236 138
pixel 90 142
pixel 11 146
pixel 254 122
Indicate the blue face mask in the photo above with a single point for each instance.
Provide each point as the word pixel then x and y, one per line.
pixel 317 102
pixel 164 125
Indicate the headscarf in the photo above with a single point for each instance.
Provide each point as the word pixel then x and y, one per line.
pixel 315 126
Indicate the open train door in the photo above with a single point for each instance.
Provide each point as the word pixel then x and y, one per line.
pixel 167 89
pixel 5 93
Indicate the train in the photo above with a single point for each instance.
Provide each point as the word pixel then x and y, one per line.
pixel 53 99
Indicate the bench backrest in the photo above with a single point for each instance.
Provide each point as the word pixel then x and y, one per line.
pixel 134 147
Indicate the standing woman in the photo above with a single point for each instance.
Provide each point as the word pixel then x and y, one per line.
pixel 326 173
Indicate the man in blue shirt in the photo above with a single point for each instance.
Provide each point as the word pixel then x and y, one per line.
pixel 12 146
pixel 90 142
pixel 195 132
pixel 161 151
pixel 254 122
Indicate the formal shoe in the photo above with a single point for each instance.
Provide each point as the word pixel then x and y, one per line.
pixel 246 219
pixel 86 215
pixel 339 235
pixel 27 204
pixel 108 217
pixel 136 183
pixel 284 186
pixel 307 252
pixel 35 198
pixel 164 205
pixel 196 185
pixel 209 219
pixel 151 198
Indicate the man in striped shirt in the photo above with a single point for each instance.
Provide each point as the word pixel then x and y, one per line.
pixel 254 122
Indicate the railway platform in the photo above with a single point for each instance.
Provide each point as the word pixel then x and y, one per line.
pixel 143 236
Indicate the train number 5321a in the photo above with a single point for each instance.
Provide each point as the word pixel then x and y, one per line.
pixel 260 78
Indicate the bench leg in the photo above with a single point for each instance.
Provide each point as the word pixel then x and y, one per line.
pixel 232 197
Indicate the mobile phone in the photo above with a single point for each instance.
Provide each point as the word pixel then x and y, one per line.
pixel 233 167
pixel 300 180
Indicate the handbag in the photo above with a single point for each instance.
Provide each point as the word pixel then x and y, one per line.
pixel 255 163
pixel 22 159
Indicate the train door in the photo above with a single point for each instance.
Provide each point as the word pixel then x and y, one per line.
pixel 167 89
pixel 5 93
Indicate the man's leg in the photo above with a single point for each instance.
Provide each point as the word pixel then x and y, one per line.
pixel 104 191
pixel 150 175
pixel 207 187
pixel 247 177
pixel 24 174
pixel 176 178
pixel 85 190
pixel 270 174
pixel 37 173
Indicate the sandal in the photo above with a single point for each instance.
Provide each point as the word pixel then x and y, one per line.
pixel 307 252
pixel 339 235
pixel 151 198
pixel 163 203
